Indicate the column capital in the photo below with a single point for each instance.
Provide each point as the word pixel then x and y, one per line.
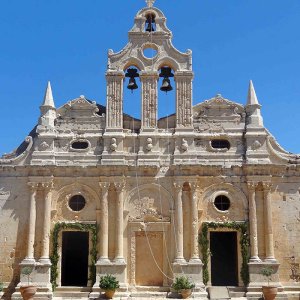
pixel 47 186
pixel 194 186
pixel 267 186
pixel 119 186
pixel 251 185
pixel 178 186
pixel 33 185
pixel 104 186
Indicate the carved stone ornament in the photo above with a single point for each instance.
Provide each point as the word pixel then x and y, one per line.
pixel 147 212
pixel 113 145
pixel 149 144
pixel 256 144
pixel 4 193
pixel 43 146
pixel 184 145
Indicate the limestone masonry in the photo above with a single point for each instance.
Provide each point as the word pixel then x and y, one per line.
pixel 206 192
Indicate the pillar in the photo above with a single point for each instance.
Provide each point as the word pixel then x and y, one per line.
pixel 114 101
pixel 103 232
pixel 253 222
pixel 269 240
pixel 184 99
pixel 178 224
pixel 194 217
pixel 46 224
pixel 32 220
pixel 149 99
pixel 119 256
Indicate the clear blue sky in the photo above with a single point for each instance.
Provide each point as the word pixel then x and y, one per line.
pixel 66 42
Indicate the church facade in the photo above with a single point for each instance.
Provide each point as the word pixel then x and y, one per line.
pixel 206 192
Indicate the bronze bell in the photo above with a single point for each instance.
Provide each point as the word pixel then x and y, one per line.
pixel 166 73
pixel 166 85
pixel 132 84
pixel 150 27
pixel 132 73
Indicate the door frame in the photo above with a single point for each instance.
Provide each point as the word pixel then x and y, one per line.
pixel 239 258
pixel 59 251
pixel 133 228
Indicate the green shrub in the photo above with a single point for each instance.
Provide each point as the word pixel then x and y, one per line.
pixel 109 282
pixel 1 286
pixel 182 283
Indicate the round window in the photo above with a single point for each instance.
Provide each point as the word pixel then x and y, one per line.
pixel 222 202
pixel 77 202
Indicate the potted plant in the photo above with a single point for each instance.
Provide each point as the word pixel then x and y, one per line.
pixel 269 292
pixel 109 284
pixel 183 285
pixel 29 290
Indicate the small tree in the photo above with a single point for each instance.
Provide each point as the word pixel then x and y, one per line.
pixel 267 272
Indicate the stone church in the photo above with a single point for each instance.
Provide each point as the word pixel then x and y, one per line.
pixel 206 192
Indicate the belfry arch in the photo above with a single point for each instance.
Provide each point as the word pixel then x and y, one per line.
pixel 149 33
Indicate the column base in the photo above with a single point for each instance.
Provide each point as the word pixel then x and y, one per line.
pixel 255 259
pixel 28 261
pixel 272 260
pixel 119 261
pixel 45 261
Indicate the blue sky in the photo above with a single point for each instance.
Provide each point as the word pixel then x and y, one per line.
pixel 66 42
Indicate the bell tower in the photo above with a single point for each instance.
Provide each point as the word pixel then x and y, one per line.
pixel 149 32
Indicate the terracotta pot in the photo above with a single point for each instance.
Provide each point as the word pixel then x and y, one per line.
pixel 186 293
pixel 109 294
pixel 269 292
pixel 28 292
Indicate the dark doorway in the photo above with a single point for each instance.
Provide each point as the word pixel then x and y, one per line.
pixel 75 252
pixel 224 261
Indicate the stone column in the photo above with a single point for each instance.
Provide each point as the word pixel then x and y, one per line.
pixel 194 224
pixel 253 222
pixel 119 257
pixel 184 99
pixel 114 101
pixel 44 259
pixel 32 220
pixel 103 232
pixel 179 258
pixel 269 241
pixel 149 99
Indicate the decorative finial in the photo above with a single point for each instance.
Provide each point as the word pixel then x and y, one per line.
pixel 150 3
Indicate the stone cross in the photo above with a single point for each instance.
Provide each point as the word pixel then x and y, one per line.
pixel 150 3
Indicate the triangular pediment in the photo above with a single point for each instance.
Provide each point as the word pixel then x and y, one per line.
pixel 219 109
pixel 78 108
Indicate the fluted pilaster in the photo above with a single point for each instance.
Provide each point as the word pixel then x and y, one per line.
pixel 184 99
pixel 149 100
pixel 114 102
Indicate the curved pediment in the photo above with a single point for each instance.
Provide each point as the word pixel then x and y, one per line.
pixel 159 40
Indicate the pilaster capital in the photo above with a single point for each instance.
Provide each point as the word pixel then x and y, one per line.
pixel 115 74
pixel 149 74
pixel 267 186
pixel 182 75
